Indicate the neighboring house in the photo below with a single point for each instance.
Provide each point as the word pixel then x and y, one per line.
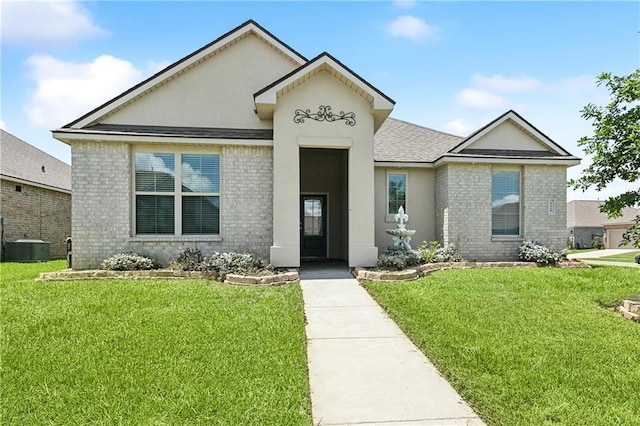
pixel 247 145
pixel 585 221
pixel 36 194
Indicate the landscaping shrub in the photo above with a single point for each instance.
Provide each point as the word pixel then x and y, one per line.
pixel 530 251
pixel 432 252
pixel 189 260
pixel 399 259
pixel 236 263
pixel 597 243
pixel 128 262
pixel 428 251
pixel 448 253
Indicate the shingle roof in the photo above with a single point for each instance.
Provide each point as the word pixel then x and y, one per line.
pixel 400 141
pixel 195 132
pixel 19 160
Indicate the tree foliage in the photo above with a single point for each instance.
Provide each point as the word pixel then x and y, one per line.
pixel 615 146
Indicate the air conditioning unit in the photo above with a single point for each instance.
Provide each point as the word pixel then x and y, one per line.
pixel 27 251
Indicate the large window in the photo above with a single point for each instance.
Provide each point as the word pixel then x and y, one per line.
pixel 505 202
pixel 177 197
pixel 396 192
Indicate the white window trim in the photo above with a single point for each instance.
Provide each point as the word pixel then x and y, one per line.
pixel 177 194
pixel 518 237
pixel 390 217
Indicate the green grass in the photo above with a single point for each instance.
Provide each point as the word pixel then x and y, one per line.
pixel 629 257
pixel 528 346
pixel 150 352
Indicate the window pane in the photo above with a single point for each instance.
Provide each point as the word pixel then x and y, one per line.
pixel 313 217
pixel 155 214
pixel 505 203
pixel 155 172
pixel 200 173
pixel 200 215
pixel 397 192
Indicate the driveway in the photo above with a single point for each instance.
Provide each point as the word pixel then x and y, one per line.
pixel 598 253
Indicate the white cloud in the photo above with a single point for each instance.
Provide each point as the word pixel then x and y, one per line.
pixel 66 90
pixel 47 23
pixel 415 29
pixel 480 99
pixel 404 4
pixel 502 84
pixel 458 127
pixel 507 199
pixel 3 125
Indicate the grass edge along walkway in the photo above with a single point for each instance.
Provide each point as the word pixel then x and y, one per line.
pixel 150 352
pixel 527 346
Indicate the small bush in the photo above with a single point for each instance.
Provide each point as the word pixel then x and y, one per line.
pixel 128 262
pixel 432 252
pixel 448 253
pixel 597 243
pixel 428 251
pixel 188 260
pixel 236 263
pixel 399 259
pixel 530 251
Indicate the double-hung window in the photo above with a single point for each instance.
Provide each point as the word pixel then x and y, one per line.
pixel 505 202
pixel 177 193
pixel 396 192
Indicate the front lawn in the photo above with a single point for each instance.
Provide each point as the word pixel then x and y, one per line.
pixel 528 346
pixel 150 352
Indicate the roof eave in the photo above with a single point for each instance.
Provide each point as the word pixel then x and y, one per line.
pixel 566 161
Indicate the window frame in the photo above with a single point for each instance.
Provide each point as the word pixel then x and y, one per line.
pixel 517 236
pixel 387 198
pixel 177 192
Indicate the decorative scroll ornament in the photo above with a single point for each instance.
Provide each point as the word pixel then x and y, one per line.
pixel 324 114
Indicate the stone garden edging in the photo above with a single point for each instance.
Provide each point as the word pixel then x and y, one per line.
pixel 264 280
pixel 364 274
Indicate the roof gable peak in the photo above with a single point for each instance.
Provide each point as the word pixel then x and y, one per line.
pixel 194 58
pixel 516 119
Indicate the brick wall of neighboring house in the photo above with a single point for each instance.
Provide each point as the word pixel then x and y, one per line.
pixel 36 213
pixel 102 214
pixel 463 201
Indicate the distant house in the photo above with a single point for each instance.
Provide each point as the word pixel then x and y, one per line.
pixel 245 144
pixel 36 194
pixel 585 222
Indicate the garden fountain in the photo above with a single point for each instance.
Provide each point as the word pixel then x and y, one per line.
pixel 400 235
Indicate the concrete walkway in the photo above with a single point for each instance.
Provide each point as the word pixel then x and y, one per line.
pixel 362 369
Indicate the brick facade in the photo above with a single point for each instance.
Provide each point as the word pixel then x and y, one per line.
pixel 463 210
pixel 102 213
pixel 36 213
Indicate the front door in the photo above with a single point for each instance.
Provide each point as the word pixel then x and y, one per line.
pixel 313 226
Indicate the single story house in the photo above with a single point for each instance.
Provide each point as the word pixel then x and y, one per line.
pixel 36 195
pixel 245 144
pixel 585 221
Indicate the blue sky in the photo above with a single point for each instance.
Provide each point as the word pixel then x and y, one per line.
pixel 451 66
